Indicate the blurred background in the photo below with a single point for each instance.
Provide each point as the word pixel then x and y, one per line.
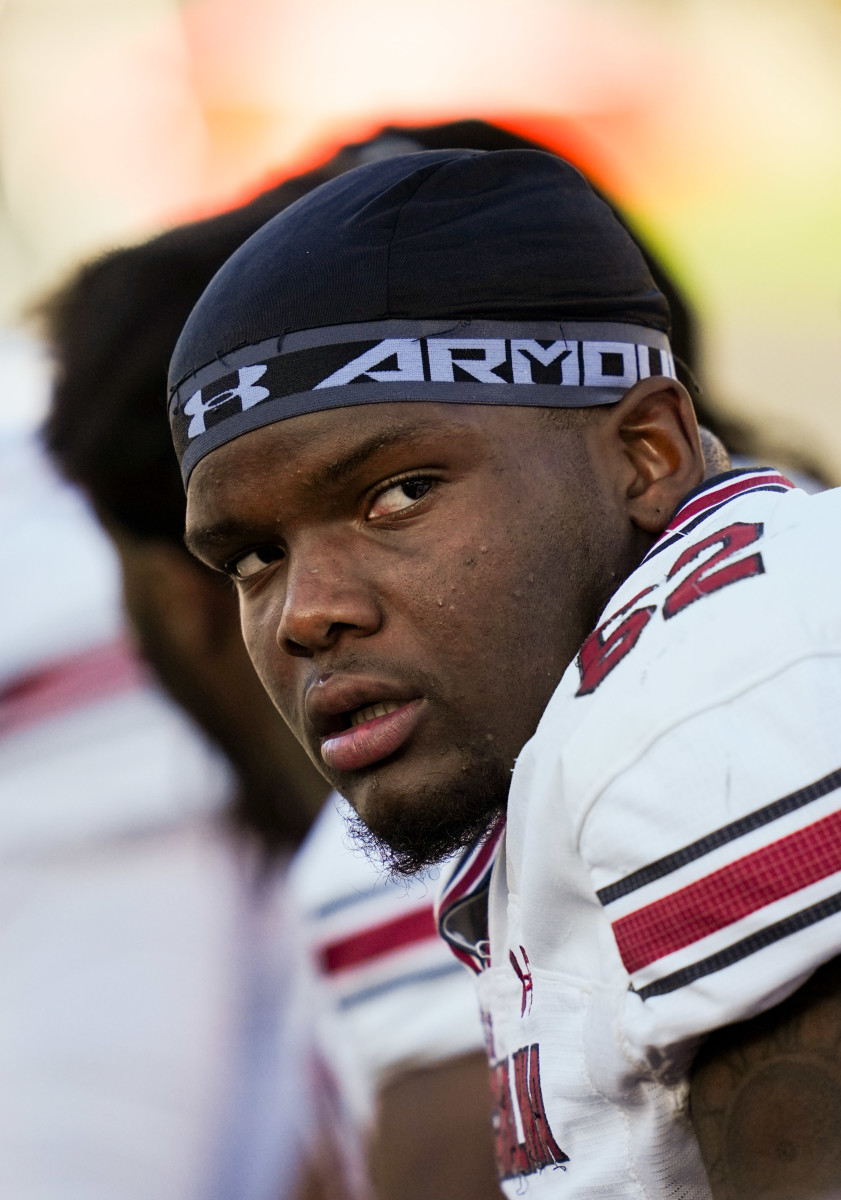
pixel 716 123
pixel 154 1038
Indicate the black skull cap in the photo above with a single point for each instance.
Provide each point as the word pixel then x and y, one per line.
pixel 516 234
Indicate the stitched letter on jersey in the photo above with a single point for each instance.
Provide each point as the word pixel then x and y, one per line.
pixel 523 1107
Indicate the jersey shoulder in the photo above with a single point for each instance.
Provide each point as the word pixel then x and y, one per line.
pixel 690 766
pixel 718 602
pixel 732 597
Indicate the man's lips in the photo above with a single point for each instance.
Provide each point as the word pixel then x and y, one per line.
pixel 330 704
pixel 375 738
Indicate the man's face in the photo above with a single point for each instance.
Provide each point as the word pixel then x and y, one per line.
pixel 413 579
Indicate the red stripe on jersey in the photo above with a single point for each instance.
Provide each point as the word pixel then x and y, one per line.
pixel 728 895
pixel 381 939
pixel 466 959
pixel 484 855
pixel 717 495
pixel 70 683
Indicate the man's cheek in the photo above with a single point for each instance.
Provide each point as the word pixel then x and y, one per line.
pixel 284 696
pixel 262 648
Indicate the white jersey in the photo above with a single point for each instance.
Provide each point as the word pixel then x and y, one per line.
pixel 153 1036
pixel 403 1002
pixel 671 861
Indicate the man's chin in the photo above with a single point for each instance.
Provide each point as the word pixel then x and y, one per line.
pixel 407 834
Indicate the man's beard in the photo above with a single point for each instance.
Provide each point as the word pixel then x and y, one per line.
pixel 406 839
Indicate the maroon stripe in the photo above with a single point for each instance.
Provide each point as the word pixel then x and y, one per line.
pixel 467 960
pixel 728 895
pixel 381 939
pixel 465 957
pixel 70 683
pixel 720 494
pixel 477 868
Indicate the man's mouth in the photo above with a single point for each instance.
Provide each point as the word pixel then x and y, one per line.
pixel 372 733
pixel 374 710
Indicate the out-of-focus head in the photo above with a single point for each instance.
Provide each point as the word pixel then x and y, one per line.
pixel 428 419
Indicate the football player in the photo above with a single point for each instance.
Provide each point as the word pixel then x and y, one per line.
pixel 429 424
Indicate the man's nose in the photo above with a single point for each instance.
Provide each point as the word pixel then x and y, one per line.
pixel 327 598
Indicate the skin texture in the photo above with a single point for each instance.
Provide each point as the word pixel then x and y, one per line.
pixel 465 599
pixel 766 1099
pixel 448 1107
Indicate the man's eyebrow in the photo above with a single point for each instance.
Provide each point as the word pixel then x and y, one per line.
pixel 341 467
pixel 202 540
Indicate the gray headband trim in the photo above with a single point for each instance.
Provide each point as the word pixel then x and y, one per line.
pixel 533 363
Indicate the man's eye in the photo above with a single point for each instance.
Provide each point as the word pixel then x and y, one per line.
pixel 399 496
pixel 255 561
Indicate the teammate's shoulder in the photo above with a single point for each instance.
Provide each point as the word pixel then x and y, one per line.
pixel 326 864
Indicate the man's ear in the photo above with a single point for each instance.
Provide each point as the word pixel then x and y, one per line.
pixel 658 436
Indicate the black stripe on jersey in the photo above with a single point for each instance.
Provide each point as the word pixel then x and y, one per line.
pixel 720 837
pixel 743 949
pixel 681 533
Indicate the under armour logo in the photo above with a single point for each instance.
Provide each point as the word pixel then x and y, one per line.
pixel 524 976
pixel 244 391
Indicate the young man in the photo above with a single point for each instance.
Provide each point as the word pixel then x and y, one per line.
pixel 429 426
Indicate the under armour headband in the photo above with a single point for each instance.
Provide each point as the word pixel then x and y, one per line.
pixel 456 276
pixel 469 362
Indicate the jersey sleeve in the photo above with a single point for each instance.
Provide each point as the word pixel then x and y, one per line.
pixel 403 1001
pixel 716 855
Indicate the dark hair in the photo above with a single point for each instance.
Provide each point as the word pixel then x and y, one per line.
pixel 111 330
pixel 113 326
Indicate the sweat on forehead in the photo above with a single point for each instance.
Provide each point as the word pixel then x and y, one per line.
pixel 457 276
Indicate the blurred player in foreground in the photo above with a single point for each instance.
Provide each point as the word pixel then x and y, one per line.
pixel 430 427
pixel 153 1039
